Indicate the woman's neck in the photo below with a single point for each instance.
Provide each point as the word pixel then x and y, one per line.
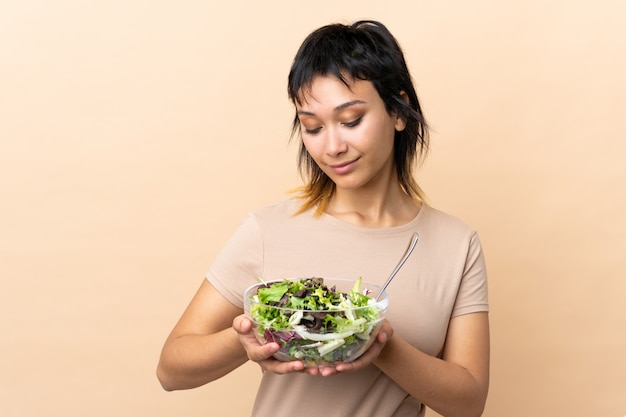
pixel 374 208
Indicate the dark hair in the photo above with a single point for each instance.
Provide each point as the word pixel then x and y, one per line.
pixel 365 50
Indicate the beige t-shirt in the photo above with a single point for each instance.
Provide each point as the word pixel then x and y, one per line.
pixel 444 277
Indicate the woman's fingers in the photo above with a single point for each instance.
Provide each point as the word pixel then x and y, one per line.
pixel 262 353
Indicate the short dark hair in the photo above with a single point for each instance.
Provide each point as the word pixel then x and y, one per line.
pixel 364 50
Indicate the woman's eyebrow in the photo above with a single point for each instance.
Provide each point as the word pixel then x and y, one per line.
pixel 348 104
pixel 336 109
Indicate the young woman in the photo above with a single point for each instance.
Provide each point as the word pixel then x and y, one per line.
pixel 361 130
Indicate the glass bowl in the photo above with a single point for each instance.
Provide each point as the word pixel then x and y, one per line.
pixel 319 321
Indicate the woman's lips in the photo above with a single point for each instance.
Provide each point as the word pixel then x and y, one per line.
pixel 344 167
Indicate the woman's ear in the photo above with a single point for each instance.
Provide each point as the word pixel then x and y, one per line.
pixel 400 120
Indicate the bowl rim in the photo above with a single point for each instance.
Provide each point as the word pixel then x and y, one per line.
pixel 380 304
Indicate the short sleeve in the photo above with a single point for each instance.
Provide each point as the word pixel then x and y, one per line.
pixel 473 295
pixel 240 263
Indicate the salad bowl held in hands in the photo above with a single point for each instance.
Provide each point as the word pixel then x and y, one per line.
pixel 321 322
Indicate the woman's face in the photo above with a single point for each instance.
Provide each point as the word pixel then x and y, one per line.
pixel 348 132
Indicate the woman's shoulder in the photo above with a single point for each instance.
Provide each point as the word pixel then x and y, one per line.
pixel 282 211
pixel 287 206
pixel 436 218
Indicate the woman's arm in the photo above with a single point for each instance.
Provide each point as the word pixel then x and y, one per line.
pixel 202 346
pixel 455 385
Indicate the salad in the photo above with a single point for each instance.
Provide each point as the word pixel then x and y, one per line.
pixel 314 322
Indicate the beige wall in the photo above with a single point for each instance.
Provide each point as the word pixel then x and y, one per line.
pixel 135 135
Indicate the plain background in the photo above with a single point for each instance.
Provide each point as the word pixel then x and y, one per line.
pixel 135 135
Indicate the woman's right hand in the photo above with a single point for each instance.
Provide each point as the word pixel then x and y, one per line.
pixel 262 354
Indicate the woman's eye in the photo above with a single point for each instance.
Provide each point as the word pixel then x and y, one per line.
pixel 312 131
pixel 353 123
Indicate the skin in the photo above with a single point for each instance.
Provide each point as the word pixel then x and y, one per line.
pixel 350 135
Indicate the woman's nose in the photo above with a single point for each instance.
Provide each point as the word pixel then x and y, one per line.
pixel 335 145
